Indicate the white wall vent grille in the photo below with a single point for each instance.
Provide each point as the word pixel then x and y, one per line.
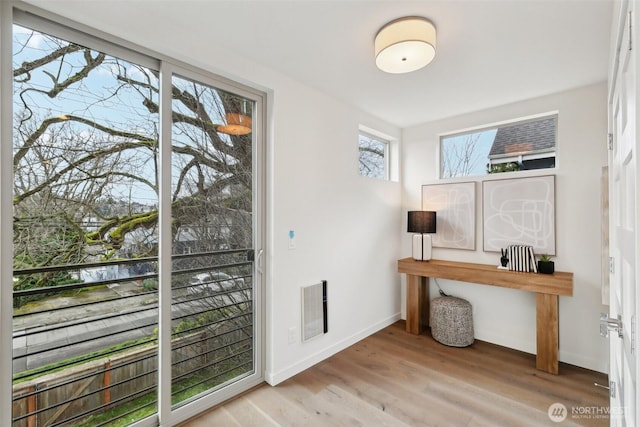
pixel 314 310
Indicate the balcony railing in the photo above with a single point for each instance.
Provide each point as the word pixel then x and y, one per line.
pixel 85 353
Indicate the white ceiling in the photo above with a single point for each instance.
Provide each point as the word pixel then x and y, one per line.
pixel 489 53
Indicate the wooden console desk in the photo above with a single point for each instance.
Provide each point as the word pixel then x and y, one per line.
pixel 546 286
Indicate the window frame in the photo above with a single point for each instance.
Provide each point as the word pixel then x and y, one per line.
pixel 386 141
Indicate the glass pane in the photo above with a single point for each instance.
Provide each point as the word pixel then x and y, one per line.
pixel 213 317
pixel 519 146
pixel 373 162
pixel 85 235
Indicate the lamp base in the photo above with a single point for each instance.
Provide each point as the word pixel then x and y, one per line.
pixel 421 247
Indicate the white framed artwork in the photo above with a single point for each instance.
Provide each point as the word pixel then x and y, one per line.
pixel 519 211
pixel 455 207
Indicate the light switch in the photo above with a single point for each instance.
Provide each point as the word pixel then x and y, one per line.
pixel 292 239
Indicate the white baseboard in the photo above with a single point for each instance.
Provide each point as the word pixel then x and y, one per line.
pixel 274 378
pixel 579 360
pixel 515 343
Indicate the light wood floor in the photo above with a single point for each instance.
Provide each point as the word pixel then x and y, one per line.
pixel 394 379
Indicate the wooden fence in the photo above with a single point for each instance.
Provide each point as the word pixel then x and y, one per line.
pixel 100 385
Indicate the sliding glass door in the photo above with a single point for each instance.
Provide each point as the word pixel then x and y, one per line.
pixel 101 189
pixel 213 318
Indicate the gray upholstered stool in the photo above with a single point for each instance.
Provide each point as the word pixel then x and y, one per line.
pixel 451 321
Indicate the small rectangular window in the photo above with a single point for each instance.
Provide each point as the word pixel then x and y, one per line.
pixel 524 145
pixel 374 156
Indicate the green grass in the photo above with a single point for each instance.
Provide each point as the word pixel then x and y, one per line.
pixel 201 385
pixel 83 359
pixel 115 417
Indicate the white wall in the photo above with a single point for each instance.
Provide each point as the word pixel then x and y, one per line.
pixel 504 316
pixel 345 225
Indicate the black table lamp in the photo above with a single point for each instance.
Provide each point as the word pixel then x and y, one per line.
pixel 421 222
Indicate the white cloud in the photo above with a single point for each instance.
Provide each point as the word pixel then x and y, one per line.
pixel 35 39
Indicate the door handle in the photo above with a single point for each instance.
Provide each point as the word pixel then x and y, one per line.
pixel 259 261
pixel 608 324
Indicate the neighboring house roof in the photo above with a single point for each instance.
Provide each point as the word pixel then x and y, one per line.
pixel 530 137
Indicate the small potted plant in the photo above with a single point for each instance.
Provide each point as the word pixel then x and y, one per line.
pixel 545 265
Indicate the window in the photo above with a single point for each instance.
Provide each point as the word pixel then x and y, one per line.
pixel 524 145
pixel 374 156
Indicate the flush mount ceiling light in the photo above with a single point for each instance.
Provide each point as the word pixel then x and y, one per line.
pixel 405 45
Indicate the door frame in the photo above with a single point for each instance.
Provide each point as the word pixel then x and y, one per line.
pixel 620 23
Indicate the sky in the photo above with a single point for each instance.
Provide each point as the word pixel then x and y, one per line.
pixel 480 155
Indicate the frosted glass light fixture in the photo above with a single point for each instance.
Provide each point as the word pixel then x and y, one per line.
pixel 421 222
pixel 405 44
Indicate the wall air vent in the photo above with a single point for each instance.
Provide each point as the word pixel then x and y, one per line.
pixel 314 310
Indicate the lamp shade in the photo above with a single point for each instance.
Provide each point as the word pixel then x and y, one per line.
pixel 405 45
pixel 421 222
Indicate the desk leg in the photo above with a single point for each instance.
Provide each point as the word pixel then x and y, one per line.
pixel 547 333
pixel 417 292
